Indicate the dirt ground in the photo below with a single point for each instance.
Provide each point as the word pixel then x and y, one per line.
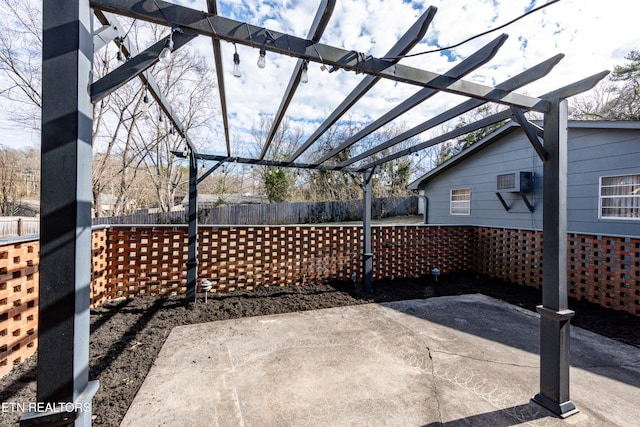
pixel 126 335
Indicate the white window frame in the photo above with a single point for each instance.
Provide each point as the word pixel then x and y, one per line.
pixel 632 197
pixel 460 203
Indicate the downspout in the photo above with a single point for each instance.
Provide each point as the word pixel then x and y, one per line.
pixel 426 209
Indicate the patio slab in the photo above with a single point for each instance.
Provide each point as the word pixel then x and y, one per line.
pixel 454 361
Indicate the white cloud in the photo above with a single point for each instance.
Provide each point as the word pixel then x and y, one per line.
pixel 594 36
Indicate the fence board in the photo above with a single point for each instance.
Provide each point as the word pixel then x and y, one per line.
pixel 12 226
pixel 276 213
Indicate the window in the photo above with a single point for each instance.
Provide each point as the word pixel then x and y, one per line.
pixel 620 197
pixel 461 201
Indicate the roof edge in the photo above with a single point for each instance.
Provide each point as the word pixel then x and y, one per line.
pixel 508 128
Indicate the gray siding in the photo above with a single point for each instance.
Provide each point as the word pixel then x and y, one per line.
pixel 592 153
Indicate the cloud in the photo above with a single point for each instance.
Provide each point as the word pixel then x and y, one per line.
pixel 593 37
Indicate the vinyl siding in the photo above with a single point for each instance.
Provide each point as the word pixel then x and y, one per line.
pixel 592 153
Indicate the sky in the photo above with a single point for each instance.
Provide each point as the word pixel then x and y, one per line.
pixel 594 36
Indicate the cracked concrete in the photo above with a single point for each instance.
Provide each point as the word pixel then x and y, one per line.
pixel 450 361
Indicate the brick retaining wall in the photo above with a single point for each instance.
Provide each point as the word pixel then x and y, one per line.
pixel 18 302
pixel 601 269
pixel 150 260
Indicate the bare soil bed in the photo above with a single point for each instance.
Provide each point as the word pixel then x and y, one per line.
pixel 126 335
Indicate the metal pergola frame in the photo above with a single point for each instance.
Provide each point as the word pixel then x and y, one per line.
pixel 69 43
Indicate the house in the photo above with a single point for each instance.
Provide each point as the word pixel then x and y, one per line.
pixel 497 182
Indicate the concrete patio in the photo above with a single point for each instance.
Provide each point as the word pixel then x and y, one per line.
pixel 453 361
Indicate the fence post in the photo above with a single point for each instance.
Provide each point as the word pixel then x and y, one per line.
pixel 20 227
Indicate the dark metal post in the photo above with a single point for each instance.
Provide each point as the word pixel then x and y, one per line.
pixel 554 313
pixel 65 227
pixel 192 256
pixel 367 255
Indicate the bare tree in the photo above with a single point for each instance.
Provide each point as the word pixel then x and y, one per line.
pixel 187 83
pixel 278 183
pixel 19 179
pixel 20 61
pixel 591 105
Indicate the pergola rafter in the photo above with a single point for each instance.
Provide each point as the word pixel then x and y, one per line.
pixel 518 81
pixel 465 67
pixel 410 39
pixel 215 26
pixel 65 238
pixel 212 5
pixel 514 113
pixel 317 28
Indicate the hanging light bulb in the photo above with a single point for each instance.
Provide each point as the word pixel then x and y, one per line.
pixel 185 153
pixel 262 62
pixel 165 54
pixel 236 64
pixel 145 104
pixel 304 75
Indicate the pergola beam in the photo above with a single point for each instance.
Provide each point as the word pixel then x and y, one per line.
pixel 140 63
pixel 325 10
pixel 411 38
pixel 487 121
pixel 465 67
pixel 515 82
pixel 217 57
pixel 250 35
pixel 584 84
pixel 263 162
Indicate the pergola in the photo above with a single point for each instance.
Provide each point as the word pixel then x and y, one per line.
pixel 69 43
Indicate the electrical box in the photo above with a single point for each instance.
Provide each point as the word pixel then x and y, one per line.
pixel 515 182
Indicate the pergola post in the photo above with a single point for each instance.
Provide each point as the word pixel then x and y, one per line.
pixel 65 224
pixel 367 255
pixel 554 313
pixel 192 255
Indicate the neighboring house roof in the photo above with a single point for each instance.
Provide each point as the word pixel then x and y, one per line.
pixel 505 130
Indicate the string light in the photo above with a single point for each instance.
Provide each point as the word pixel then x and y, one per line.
pixel 262 62
pixel 236 63
pixel 165 54
pixel 145 103
pixel 304 75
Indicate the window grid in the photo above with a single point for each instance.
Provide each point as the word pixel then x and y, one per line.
pixel 460 201
pixel 620 197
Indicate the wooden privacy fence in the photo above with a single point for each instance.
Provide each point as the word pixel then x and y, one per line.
pixel 276 213
pixel 11 226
